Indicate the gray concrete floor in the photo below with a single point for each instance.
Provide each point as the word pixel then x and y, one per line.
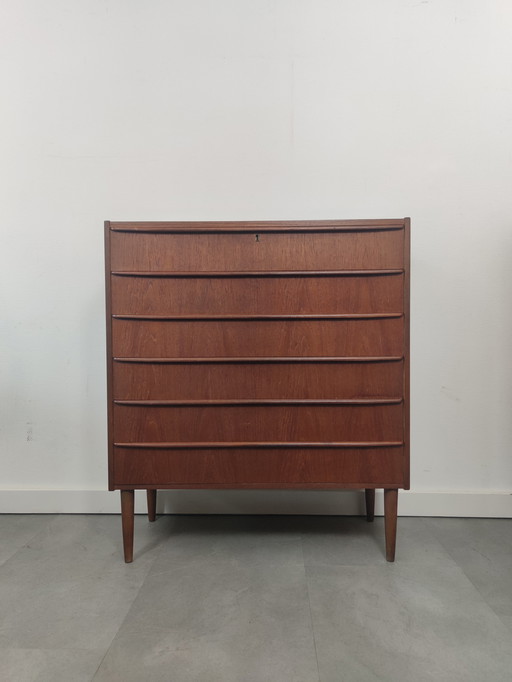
pixel 251 599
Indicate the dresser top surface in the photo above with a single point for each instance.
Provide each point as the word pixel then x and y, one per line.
pixel 260 225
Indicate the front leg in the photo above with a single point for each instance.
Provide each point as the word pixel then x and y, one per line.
pixel 127 519
pixel 390 517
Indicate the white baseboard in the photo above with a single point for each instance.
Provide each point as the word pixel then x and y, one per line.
pixel 490 504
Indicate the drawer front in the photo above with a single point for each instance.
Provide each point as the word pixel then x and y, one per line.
pixel 257 338
pixel 257 295
pixel 258 423
pixel 260 380
pixel 216 252
pixel 260 468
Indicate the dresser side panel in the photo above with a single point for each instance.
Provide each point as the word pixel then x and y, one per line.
pixel 406 351
pixel 110 389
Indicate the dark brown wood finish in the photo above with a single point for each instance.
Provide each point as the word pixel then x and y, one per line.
pixel 110 404
pixel 295 423
pixel 127 517
pixel 151 495
pixel 390 519
pixel 406 348
pixel 219 251
pixel 257 338
pixel 369 494
pixel 258 226
pixel 210 380
pixel 258 355
pixel 284 295
pixel 267 467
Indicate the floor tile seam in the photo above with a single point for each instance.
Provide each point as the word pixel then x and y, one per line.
pixel 375 564
pixel 498 614
pixel 172 564
pixel 51 648
pixel 505 620
pixel 475 595
pixel 123 620
pixel 389 567
pixel 128 610
pixel 31 539
pixel 452 554
pixel 489 554
pixel 439 534
pixel 430 530
pixel 226 563
pixel 103 657
pixel 136 631
pixel 131 602
pixel 309 606
pixel 435 537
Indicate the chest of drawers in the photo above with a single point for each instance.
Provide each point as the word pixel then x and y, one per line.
pixel 258 355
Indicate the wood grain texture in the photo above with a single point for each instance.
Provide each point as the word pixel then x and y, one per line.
pixel 280 251
pixel 260 225
pixel 369 495
pixel 390 521
pixel 211 381
pixel 257 354
pixel 260 468
pixel 127 520
pixel 131 338
pixel 406 349
pixel 151 499
pixel 318 423
pixel 108 331
pixel 257 295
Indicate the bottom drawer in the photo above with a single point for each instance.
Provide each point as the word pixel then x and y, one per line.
pixel 259 467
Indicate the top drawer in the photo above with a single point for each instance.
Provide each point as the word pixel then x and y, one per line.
pixel 214 251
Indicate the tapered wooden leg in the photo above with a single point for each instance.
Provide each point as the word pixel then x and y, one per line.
pixel 369 494
pixel 127 517
pixel 390 514
pixel 151 505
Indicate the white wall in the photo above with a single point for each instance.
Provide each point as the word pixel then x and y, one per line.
pixel 255 109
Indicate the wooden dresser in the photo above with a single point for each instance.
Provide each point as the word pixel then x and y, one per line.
pixel 258 355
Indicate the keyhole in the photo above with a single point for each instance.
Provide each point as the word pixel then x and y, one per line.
pixel 257 237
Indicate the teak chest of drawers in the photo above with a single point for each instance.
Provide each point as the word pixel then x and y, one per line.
pixel 258 355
